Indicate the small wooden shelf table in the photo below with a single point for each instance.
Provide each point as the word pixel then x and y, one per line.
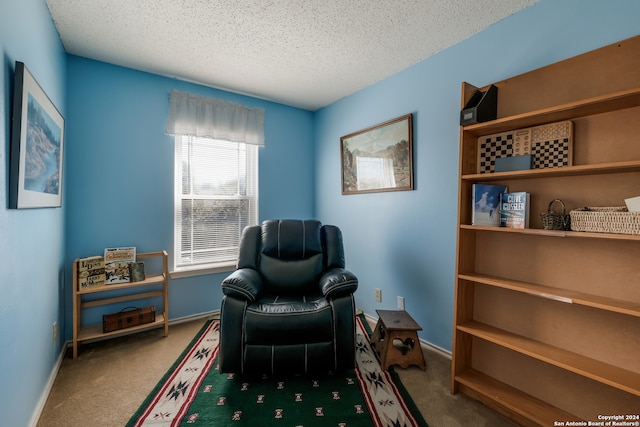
pixel 88 332
pixel 395 340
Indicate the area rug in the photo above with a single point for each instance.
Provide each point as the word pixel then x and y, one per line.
pixel 194 393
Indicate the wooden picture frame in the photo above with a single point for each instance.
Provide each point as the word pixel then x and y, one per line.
pixel 379 158
pixel 37 143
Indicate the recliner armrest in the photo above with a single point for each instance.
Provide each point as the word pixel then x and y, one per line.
pixel 244 283
pixel 338 281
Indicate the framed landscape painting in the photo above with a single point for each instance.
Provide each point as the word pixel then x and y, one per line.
pixel 37 142
pixel 379 158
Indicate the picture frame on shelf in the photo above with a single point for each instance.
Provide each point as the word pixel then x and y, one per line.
pixel 37 146
pixel 378 158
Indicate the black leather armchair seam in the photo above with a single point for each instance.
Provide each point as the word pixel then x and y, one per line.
pixel 290 313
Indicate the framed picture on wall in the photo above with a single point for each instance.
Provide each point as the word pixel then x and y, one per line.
pixel 37 142
pixel 379 158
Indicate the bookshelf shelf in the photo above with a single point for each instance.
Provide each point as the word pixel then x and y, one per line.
pixel 150 280
pixel 553 233
pixel 598 371
pixel 95 331
pixel 558 294
pixel 98 296
pixel 521 407
pixel 603 168
pixel 584 107
pixel 547 322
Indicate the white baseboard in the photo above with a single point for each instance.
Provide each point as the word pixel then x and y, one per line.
pixel 37 412
pixel 436 349
pixel 215 314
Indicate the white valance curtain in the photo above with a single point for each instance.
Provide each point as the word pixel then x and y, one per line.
pixel 199 116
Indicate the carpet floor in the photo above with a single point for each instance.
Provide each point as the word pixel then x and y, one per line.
pixel 111 378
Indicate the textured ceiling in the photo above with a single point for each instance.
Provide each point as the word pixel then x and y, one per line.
pixel 304 53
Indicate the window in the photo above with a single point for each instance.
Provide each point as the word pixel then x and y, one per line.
pixel 216 197
pixel 216 179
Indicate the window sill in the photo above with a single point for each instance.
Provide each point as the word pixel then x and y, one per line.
pixel 203 270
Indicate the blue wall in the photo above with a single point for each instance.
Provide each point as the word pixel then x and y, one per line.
pixel 119 171
pixel 116 150
pixel 31 240
pixel 404 242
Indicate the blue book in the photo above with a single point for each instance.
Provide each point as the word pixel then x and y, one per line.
pixel 514 210
pixel 486 204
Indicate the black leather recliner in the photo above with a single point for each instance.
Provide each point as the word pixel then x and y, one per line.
pixel 289 307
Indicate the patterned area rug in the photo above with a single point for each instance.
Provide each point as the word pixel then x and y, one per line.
pixel 194 393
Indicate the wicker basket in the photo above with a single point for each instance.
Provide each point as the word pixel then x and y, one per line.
pixel 556 221
pixel 605 220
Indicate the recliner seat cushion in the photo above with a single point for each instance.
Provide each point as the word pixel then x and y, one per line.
pixel 289 320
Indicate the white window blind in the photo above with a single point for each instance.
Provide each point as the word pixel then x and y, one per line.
pixel 216 177
pixel 216 197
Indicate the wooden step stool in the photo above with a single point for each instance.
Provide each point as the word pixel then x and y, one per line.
pixel 397 325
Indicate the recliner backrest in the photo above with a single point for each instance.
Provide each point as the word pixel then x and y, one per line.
pixel 291 257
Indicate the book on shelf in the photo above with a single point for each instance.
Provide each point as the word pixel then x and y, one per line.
pixel 91 272
pixel 94 272
pixel 91 263
pixel 116 264
pixel 136 269
pixel 486 204
pixel 92 281
pixel 514 210
pixel 633 204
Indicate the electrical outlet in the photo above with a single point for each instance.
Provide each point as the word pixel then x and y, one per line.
pixel 400 303
pixel 378 294
pixel 55 331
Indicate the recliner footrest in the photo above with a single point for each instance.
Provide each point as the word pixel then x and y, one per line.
pixel 284 359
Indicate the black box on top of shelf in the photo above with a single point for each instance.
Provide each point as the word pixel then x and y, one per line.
pixel 482 107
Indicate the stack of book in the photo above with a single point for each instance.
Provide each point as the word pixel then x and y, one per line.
pixel 91 272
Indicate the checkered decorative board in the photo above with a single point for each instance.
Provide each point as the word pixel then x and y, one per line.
pixel 550 146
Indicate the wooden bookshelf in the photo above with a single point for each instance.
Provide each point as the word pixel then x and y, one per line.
pixel 547 322
pixel 154 285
